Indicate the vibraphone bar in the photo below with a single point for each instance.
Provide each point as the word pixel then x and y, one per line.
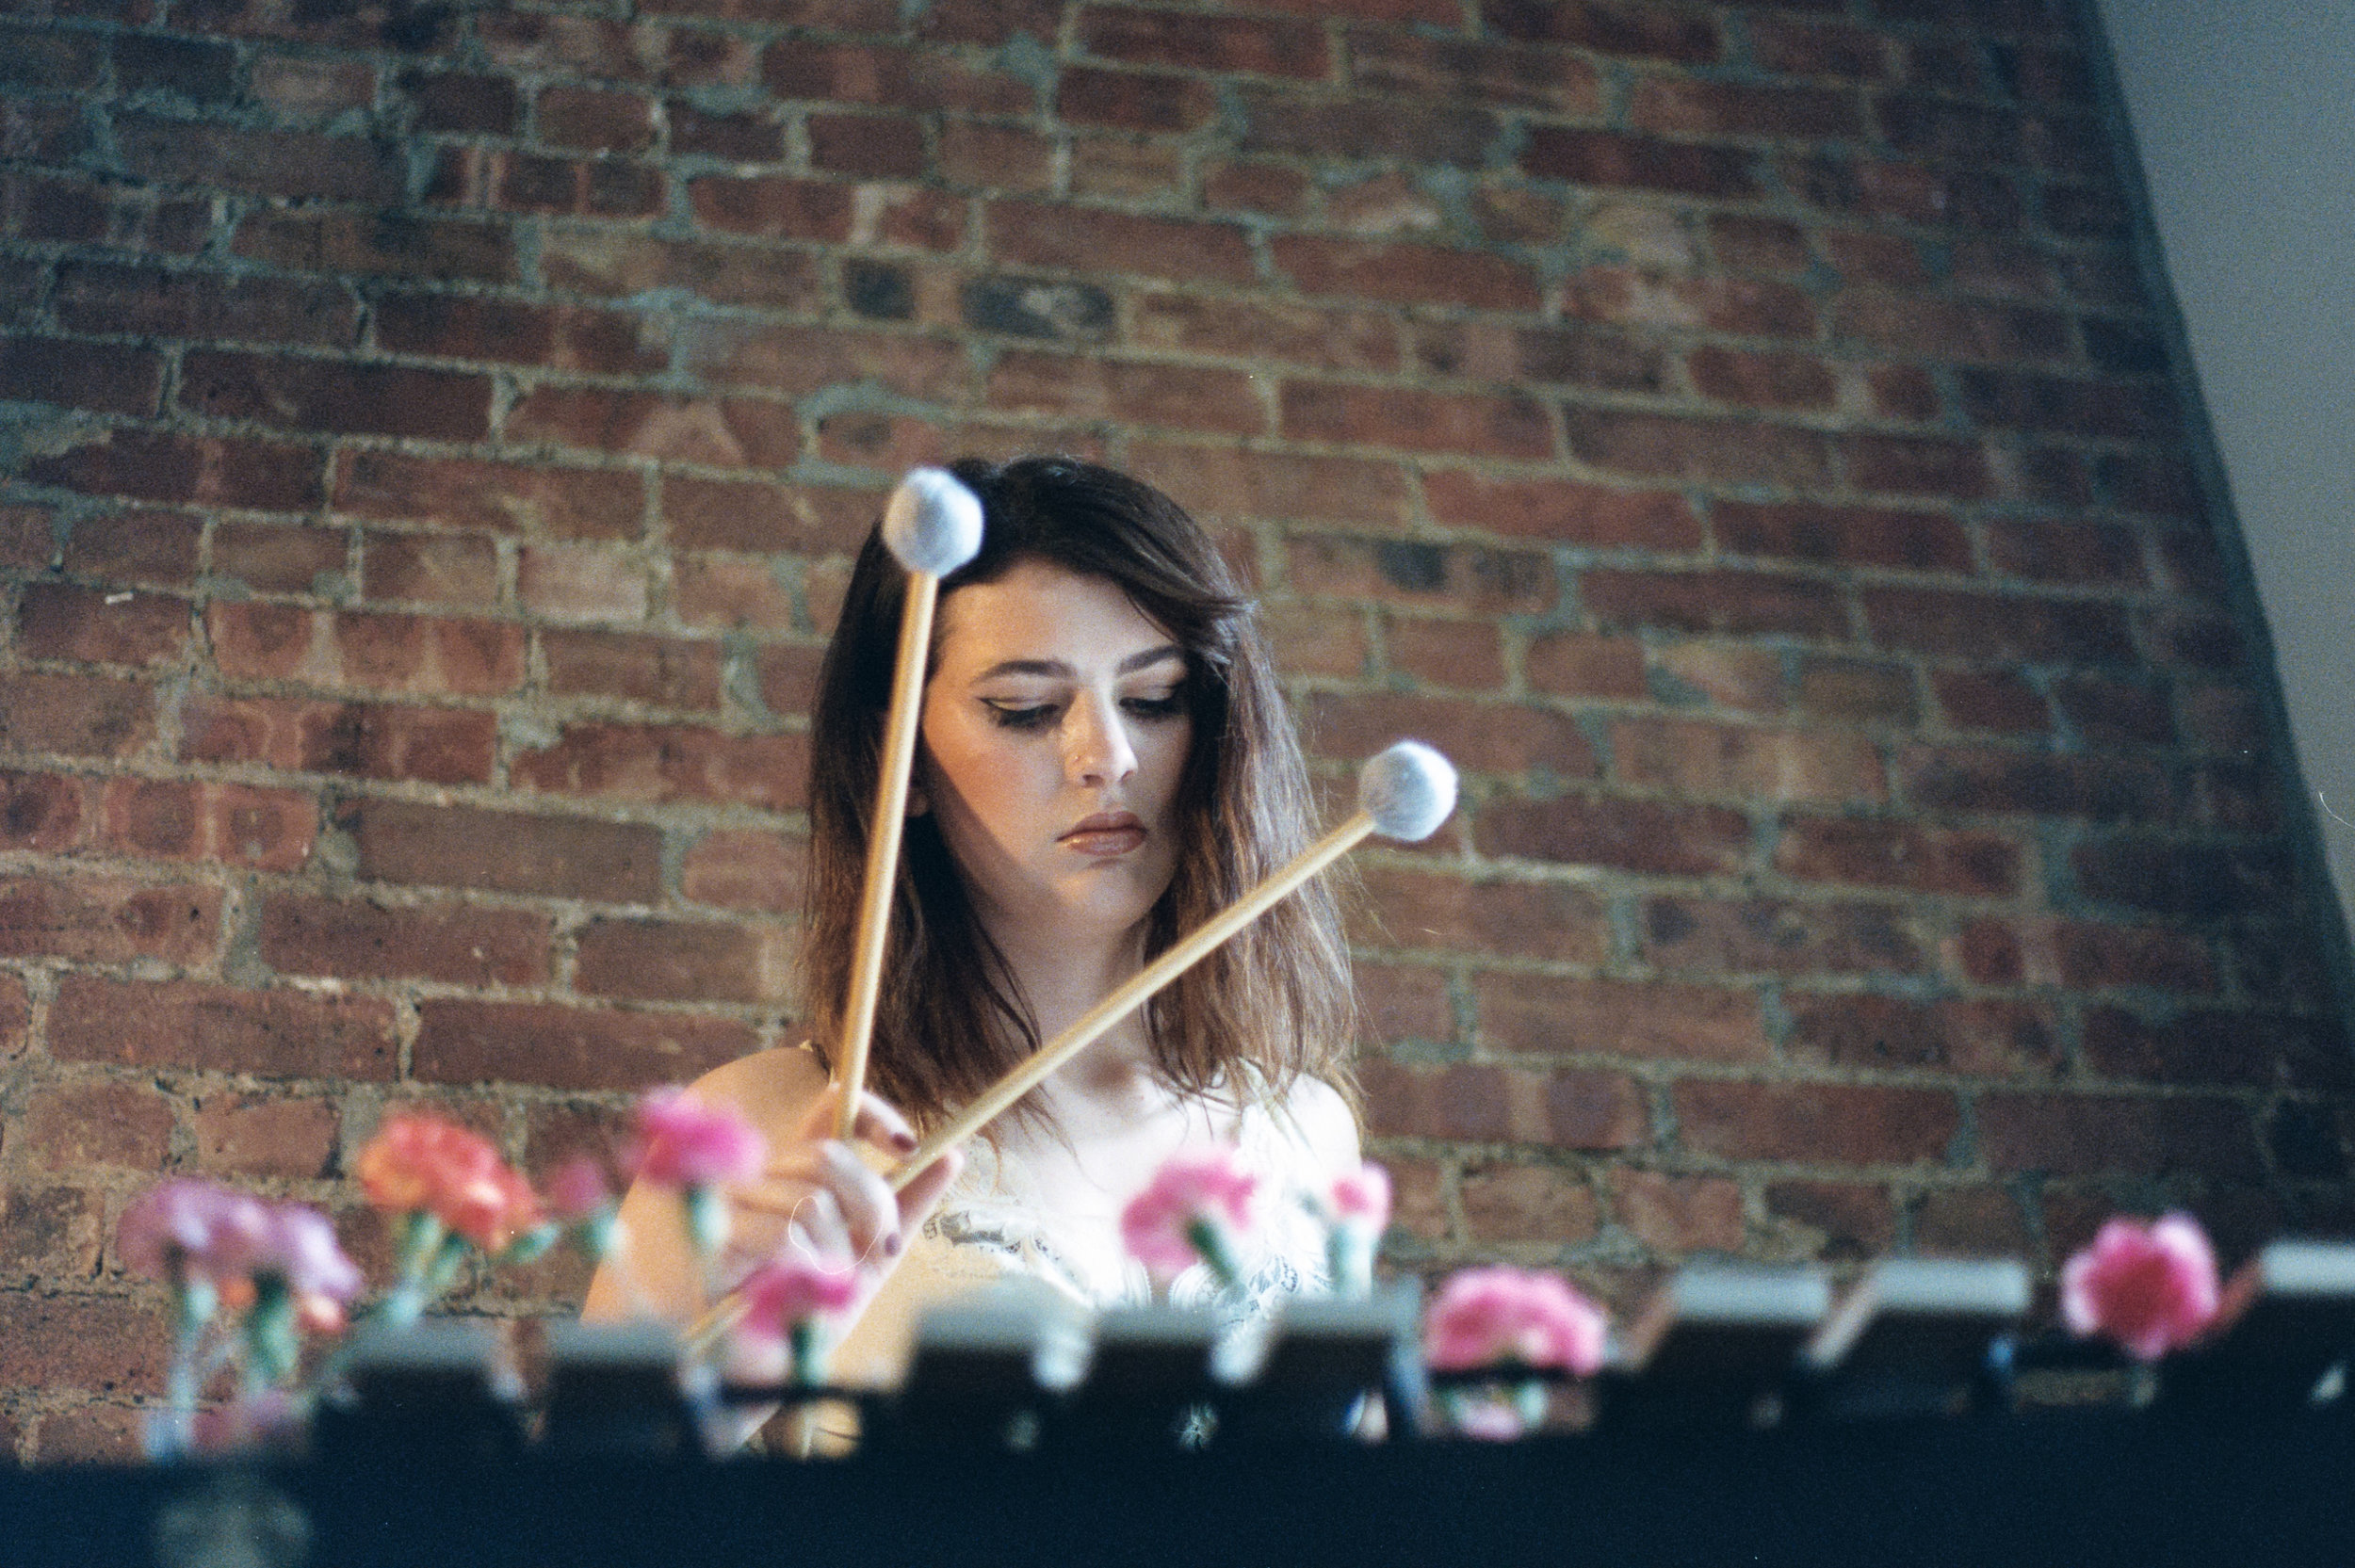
pixel 1744 1418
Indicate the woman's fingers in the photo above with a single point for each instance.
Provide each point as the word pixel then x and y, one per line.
pixel 867 1203
pixel 878 1121
pixel 918 1197
pixel 842 1200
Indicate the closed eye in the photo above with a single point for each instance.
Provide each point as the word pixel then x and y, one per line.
pixel 1022 716
pixel 1168 706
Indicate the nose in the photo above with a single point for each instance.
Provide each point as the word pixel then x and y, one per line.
pixel 1096 750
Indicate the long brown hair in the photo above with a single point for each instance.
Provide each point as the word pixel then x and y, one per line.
pixel 951 1019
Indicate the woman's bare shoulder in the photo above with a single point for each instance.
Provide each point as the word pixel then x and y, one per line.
pixel 772 1087
pixel 1325 1118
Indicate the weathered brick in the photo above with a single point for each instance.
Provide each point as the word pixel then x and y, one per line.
pixel 1632 836
pixel 1879 853
pixel 1674 1216
pixel 603 260
pixel 560 337
pixel 1416 908
pixel 544 500
pixel 211 1028
pixel 1606 27
pixel 1988 780
pixel 271 557
pixel 1366 127
pixel 48 1233
pixel 1857 691
pixel 253 1134
pixel 1562 510
pixel 679 960
pixel 80 715
pixel 744 868
pixel 46 811
pixel 566 1048
pixel 395 245
pixel 1543 1015
pixel 1695 758
pixel 2199 880
pixel 456 571
pixel 1473 423
pixel 1976 1039
pixel 1400 571
pixel 1218 401
pixel 1467 654
pixel 1502 1105
pixel 1670 447
pixel 1089 240
pixel 97 919
pixel 201 470
pixel 337 396
pixel 1991 700
pixel 366 740
pixel 270 830
pixel 563 857
pixel 406 653
pixel 58 621
pixel 1481 737
pixel 1816 1123
pixel 2113 1134
pixel 105 377
pixel 2218 1047
pixel 1782 936
pixel 1853 535
pixel 665 671
pixel 1616 159
pixel 670 762
pixel 137 544
pixel 107 296
pixel 1581 664
pixel 1253 46
pixel 91 1344
pixel 366 939
pixel 1406 274
pixel 299 165
pixel 1744 603
pixel 1998 627
pixel 75 1126
pixel 1527 1203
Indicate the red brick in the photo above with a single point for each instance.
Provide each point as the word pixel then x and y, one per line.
pixel 1723 675
pixel 1743 603
pixel 1606 27
pixel 1257 46
pixel 1308 640
pixel 272 558
pixel 713 593
pixel 253 1134
pixel 80 715
pixel 26 542
pixel 1415 909
pixel 92 1344
pixel 603 261
pixel 1398 572
pixel 203 471
pixel 580 582
pixel 1991 700
pixel 58 621
pixel 1782 936
pixel 990 22
pixel 741 869
pixel 104 377
pixel 1995 627
pixel 1816 1123
pixel 1977 1039
pixel 456 571
pixel 1402 1002
pixel 1150 102
pixel 746 137
pixel 75 1126
pixel 593 121
pixel 1562 510
pixel 1581 664
pixel 1746 306
pixel 2072 1134
pixel 1527 1203
pixel 1254 186
pixel 1663 446
pixel 1366 128
pixel 339 397
pixel 1693 758
pixel 547 501
pixel 1229 484
pixel 16 1017
pixel 1763 381
pixel 1406 274
pixel 773 206
pixel 1633 835
pixel 574 1048
pixel 101 297
pixel 1543 1015
pixel 1673 1216
pixel 1909 322
pixel 995 157
pixel 679 960
pixel 1220 401
pixel 1502 1105
pixel 1480 71
pixel 354 244
pixel 408 654
pixel 134 219
pixel 270 830
pixel 2197 879
pixel 461 103
pixel 135 544
pixel 1683 105
pixel 1857 691
pixel 669 761
pixel 90 919
pixel 364 938
pixel 867 146
pixel 798 360
pixel 2218 1048
pixel 46 811
pixel 561 337
pixel 1760 244
pixel 1988 779
pixel 291 164
pixel 1899 855
pixel 366 740
pixel 665 671
pixel 1863 536
pixel 1089 240
pixel 1479 738
pixel 210 1028
pixel 1477 424
pixel 1971 1221
pixel 560 857
pixel 2052 551
pixel 1614 159
pixel 1467 654
pixel 787 674
pixel 47 1233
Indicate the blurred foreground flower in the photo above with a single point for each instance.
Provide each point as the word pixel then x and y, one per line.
pixel 2152 1289
pixel 787 1301
pixel 450 1191
pixel 701 1150
pixel 1356 1209
pixel 1201 1203
pixel 1512 1322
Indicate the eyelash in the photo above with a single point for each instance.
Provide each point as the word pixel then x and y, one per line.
pixel 1039 716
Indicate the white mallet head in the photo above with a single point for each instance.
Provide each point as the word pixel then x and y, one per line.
pixel 1409 790
pixel 932 523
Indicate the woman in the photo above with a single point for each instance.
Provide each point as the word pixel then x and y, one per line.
pixel 1104 763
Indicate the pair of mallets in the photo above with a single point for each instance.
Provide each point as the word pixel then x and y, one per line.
pixel 932 525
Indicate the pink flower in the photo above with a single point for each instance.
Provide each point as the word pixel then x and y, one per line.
pixel 2153 1288
pixel 418 1160
pixel 299 1247
pixel 792 1288
pixel 193 1226
pixel 683 1142
pixel 1362 1197
pixel 1485 1316
pixel 577 1192
pixel 1194 1207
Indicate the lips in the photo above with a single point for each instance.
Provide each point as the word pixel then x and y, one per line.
pixel 1107 833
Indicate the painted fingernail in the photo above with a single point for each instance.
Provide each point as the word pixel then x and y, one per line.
pixel 904 1141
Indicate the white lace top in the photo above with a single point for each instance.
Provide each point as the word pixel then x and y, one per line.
pixel 991 1227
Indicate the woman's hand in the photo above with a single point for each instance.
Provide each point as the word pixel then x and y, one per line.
pixel 818 1196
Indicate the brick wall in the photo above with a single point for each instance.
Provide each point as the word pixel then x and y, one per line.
pixel 1737 433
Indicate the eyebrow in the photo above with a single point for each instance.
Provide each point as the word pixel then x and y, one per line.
pixel 1057 669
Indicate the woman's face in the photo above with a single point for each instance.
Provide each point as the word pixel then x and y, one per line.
pixel 1055 731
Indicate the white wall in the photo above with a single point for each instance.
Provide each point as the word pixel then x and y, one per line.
pixel 2244 111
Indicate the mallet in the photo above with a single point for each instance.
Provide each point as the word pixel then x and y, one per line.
pixel 1403 793
pixel 932 525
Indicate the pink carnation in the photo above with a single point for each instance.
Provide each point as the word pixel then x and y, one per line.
pixel 1362 1197
pixel 2153 1288
pixel 193 1225
pixel 683 1142
pixel 793 1288
pixel 579 1190
pixel 1485 1316
pixel 299 1246
pixel 1195 1190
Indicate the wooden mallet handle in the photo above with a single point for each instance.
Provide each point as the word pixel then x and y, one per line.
pixel 1404 793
